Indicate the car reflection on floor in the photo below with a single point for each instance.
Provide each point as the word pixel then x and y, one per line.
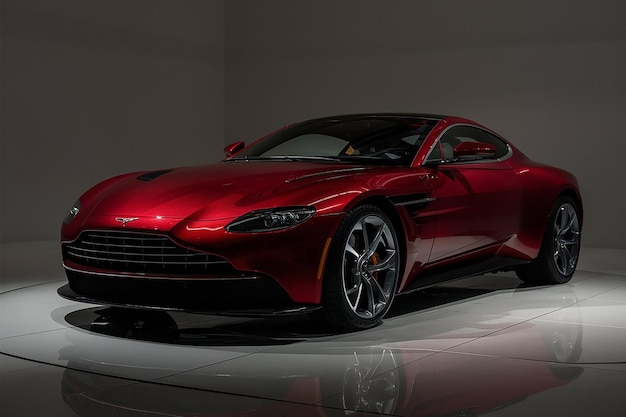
pixel 442 384
pixel 383 379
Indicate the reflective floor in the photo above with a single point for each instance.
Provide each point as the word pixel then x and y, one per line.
pixel 481 346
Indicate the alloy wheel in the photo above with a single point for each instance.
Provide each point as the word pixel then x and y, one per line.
pixel 370 270
pixel 566 244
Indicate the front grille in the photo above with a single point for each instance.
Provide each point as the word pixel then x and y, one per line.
pixel 142 253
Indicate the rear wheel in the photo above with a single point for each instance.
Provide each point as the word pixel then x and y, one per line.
pixel 362 270
pixel 559 251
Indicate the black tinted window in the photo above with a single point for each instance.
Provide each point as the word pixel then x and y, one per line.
pixel 347 138
pixel 502 148
pixel 444 149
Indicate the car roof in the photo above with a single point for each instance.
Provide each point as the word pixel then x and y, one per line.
pixel 384 115
pixel 417 116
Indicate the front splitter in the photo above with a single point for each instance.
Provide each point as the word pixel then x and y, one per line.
pixel 66 292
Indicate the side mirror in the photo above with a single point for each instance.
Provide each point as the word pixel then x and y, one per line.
pixel 233 148
pixel 465 149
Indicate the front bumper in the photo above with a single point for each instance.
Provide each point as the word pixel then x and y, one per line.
pixel 291 258
pixel 249 296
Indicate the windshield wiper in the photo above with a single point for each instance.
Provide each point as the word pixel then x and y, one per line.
pixel 287 158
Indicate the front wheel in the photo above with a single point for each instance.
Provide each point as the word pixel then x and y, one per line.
pixel 362 270
pixel 559 251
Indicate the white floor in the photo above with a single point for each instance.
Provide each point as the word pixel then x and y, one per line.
pixel 485 345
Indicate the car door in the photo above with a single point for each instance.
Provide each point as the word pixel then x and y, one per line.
pixel 478 199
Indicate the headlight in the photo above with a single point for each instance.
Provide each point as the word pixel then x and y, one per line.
pixel 72 213
pixel 270 219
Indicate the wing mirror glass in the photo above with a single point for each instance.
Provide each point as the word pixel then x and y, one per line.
pixel 469 149
pixel 233 148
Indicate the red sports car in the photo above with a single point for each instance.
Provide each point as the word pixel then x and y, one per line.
pixel 334 215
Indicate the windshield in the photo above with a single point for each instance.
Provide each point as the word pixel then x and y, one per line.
pixel 369 139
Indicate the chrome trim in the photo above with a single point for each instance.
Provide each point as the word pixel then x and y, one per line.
pixel 165 278
pixel 160 255
pixel 127 232
pixel 149 236
pixel 332 171
pixel 125 220
pixel 419 201
pixel 504 158
pixel 117 249
pixel 128 246
pixel 129 261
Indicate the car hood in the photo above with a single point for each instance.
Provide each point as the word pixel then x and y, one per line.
pixel 218 191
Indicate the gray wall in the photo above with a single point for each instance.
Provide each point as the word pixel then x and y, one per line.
pixel 549 75
pixel 94 89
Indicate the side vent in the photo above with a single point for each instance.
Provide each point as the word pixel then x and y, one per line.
pixel 149 176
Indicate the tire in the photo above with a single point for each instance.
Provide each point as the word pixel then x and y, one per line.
pixel 558 255
pixel 362 270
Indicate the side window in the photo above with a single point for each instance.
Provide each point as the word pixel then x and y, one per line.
pixel 502 148
pixel 444 149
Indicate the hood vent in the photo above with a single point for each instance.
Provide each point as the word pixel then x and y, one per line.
pixel 149 176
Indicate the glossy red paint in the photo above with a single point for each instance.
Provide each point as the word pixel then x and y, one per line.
pixel 471 149
pixel 478 209
pixel 234 148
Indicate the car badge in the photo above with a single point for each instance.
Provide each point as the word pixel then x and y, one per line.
pixel 125 220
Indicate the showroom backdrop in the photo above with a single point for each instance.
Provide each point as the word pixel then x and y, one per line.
pixel 90 90
pixel 95 89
